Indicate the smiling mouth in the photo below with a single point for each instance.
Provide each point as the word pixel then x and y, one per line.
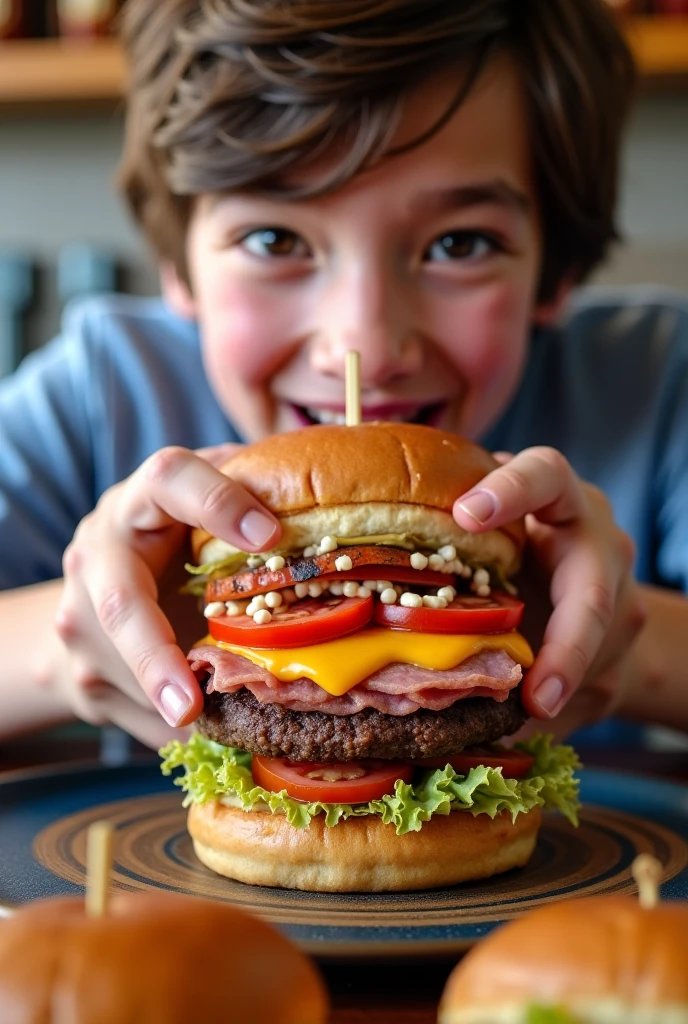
pixel 427 414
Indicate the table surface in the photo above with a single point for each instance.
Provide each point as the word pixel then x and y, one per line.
pixel 405 992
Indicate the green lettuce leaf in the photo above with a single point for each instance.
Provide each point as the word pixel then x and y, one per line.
pixel 537 1014
pixel 392 540
pixel 212 771
pixel 211 570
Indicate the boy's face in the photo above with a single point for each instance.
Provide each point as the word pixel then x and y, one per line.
pixel 427 264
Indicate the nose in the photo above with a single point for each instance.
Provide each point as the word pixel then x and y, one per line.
pixel 367 309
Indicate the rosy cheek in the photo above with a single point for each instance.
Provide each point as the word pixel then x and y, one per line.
pixel 494 344
pixel 243 332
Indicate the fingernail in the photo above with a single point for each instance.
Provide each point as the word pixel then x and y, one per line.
pixel 480 505
pixel 174 703
pixel 549 695
pixel 257 528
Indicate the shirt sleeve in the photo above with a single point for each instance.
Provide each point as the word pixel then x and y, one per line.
pixel 671 480
pixel 124 378
pixel 46 463
pixel 608 386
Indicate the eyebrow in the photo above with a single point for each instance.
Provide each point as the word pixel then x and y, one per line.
pixel 494 193
pixel 497 192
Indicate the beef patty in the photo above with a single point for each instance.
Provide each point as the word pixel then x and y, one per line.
pixel 240 720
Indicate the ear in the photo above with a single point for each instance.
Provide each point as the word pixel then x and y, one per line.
pixel 545 313
pixel 176 292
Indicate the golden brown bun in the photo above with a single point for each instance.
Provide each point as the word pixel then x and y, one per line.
pixel 360 854
pixel 153 959
pixel 375 465
pixel 603 958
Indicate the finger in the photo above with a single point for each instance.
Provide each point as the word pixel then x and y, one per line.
pixel 147 727
pixel 584 595
pixel 538 480
pixel 590 704
pixel 629 621
pixel 94 661
pixel 90 685
pixel 218 455
pixel 503 457
pixel 176 486
pixel 124 597
pixel 106 705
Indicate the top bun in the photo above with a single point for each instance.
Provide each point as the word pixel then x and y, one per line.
pixel 605 960
pixel 376 478
pixel 155 958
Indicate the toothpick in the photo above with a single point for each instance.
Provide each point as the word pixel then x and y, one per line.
pixel 353 389
pixel 98 866
pixel 647 872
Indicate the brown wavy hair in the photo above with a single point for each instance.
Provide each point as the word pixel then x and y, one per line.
pixel 231 94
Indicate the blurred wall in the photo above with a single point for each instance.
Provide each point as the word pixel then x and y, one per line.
pixel 654 196
pixel 57 186
pixel 56 178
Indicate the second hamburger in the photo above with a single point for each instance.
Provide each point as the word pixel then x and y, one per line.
pixel 357 677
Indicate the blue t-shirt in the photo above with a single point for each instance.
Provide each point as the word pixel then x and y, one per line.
pixel 609 388
pixel 123 379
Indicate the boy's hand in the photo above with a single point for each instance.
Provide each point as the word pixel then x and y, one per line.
pixel 596 609
pixel 125 661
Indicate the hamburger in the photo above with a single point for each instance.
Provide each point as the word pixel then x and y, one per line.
pixel 598 960
pixel 357 677
pixel 140 963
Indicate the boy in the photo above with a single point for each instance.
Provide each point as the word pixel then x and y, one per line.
pixel 421 181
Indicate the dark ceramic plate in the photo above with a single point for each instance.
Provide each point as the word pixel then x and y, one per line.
pixel 44 817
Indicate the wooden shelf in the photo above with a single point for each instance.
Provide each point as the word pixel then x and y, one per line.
pixel 660 46
pixel 49 73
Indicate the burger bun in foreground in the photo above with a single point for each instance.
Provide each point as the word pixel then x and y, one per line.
pixel 597 960
pixel 152 959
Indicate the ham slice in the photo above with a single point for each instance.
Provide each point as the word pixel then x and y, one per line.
pixel 396 689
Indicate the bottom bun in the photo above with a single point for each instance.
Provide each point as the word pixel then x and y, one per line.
pixel 360 854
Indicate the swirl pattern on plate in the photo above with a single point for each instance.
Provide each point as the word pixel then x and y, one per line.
pixel 153 851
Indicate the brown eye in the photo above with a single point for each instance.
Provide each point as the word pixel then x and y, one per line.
pixel 278 242
pixel 461 245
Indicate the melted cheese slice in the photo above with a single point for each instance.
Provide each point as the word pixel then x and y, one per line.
pixel 339 665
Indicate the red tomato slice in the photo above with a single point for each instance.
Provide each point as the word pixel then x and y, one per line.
pixel 514 763
pixel 349 783
pixel 310 621
pixel 369 561
pixel 466 614
pixel 395 574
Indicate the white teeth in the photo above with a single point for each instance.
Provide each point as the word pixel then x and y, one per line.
pixel 326 416
pixel 329 416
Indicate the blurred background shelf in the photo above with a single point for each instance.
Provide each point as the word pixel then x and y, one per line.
pixel 660 46
pixel 49 72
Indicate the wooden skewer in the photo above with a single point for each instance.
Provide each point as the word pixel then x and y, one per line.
pixel 98 867
pixel 647 872
pixel 353 389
